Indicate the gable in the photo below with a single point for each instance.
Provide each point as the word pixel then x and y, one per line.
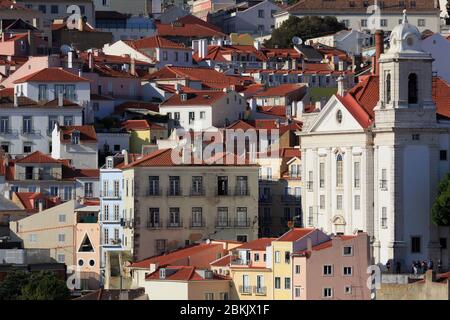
pixel 326 120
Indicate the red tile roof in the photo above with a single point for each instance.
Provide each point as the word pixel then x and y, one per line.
pixel 295 234
pixel 173 256
pixel 52 75
pixel 257 245
pixel 136 125
pixel 222 262
pixel 290 153
pixel 87 133
pixel 189 26
pixel 224 53
pixel 37 157
pixel 182 273
pixel 196 98
pixel 282 90
pixel 155 42
pixel 28 200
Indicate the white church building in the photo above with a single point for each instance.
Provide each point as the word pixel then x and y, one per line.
pixel 372 157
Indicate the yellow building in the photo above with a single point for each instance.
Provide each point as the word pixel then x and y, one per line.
pixel 143 133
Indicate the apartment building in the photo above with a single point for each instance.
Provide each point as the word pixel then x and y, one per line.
pixel 222 202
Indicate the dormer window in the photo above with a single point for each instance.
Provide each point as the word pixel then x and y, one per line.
pixel 162 273
pixel 75 137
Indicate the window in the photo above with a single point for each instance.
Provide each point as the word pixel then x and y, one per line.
pixel 322 174
pixel 277 256
pixel 197 217
pixel 42 8
pixel 116 235
pixel 62 218
pixel 106 212
pixel 357 173
pixel 256 257
pixel 383 22
pixel 443 155
pixel 388 88
pixel 222 217
pixel 27 147
pixel 186 57
pixel 339 171
pixel 287 257
pixel 287 283
pixel 384 217
pixel 176 115
pixel 415 245
pixel 347 251
pixel 160 245
pixel 357 202
pixel 88 189
pixel 277 283
pixel 383 181
pixel 322 201
pixel 42 92
pixel 165 55
pixel 327 270
pixel 348 271
pixel 153 218
pixel 27 124
pixel 339 116
pixel 191 117
pixel 242 220
pixel 202 114
pixel 339 202
pixel 310 181
pixel 32 237
pixel 61 258
pixel 174 183
pixel 61 237
pixel 310 217
pixel 175 56
pixel 197 186
pixel 75 137
pixel 52 121
pixel 67 193
pixel 347 289
pixel 297 292
pixel 242 186
pixel 346 22
pixel 421 22
pixel 116 212
pixel 209 296
pixel 260 13
pixel 327 292
pixel 412 89
pixel 54 191
pixel 174 217
pixel 4 124
pixel 415 137
pixel 297 269
pixel 443 243
pixel 364 23
pixel 54 9
pixel 68 120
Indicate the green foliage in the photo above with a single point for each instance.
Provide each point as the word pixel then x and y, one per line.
pixel 305 28
pixel 19 285
pixel 11 286
pixel 440 211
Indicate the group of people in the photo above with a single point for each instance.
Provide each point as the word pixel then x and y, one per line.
pixel 418 267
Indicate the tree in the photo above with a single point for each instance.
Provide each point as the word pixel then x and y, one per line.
pixel 305 28
pixel 440 211
pixel 45 286
pixel 11 286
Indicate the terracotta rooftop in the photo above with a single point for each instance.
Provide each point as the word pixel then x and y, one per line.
pixel 182 273
pixel 87 133
pixel 198 98
pixel 37 157
pixel 282 90
pixel 258 244
pixel 155 42
pixel 189 26
pixel 52 75
pixel 295 234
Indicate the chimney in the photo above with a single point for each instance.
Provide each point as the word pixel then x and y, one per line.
pixel 80 73
pixel 379 49
pixel 341 89
pixel 16 100
pixel 133 67
pixel 31 45
pixel 202 48
pixel 60 99
pixel 40 204
pixel 308 244
pixel 125 157
pixel 70 59
pixel 341 65
pixel 177 87
pixel 91 61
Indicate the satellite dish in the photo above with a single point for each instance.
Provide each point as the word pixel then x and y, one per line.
pixel 297 40
pixel 65 49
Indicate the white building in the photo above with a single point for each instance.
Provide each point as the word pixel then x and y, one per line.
pixel 351 41
pixel 358 14
pixel 200 110
pixel 372 158
pixel 76 143
pixel 439 48
pixel 154 49
pixel 26 125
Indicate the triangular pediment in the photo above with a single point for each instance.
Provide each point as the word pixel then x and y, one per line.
pixel 328 118
pixel 86 245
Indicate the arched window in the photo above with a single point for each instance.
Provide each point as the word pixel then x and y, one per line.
pixel 388 88
pixel 339 171
pixel 412 88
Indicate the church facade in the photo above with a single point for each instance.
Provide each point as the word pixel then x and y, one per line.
pixel 373 156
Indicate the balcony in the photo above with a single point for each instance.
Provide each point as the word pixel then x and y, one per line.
pixel 197 224
pixel 174 192
pixel 111 194
pixel 242 223
pixel 174 224
pixel 224 193
pixel 8 131
pixel 154 192
pixel 239 262
pixel 265 198
pixel 29 132
pixel 38 176
pixel 260 291
pixel 383 185
pixel 241 191
pixel 154 225
pixel 289 198
pixel 224 223
pixel 245 289
pixel 197 192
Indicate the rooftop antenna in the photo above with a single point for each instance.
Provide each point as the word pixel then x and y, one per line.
pixel 297 40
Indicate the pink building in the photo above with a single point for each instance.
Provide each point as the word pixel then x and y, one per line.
pixel 335 269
